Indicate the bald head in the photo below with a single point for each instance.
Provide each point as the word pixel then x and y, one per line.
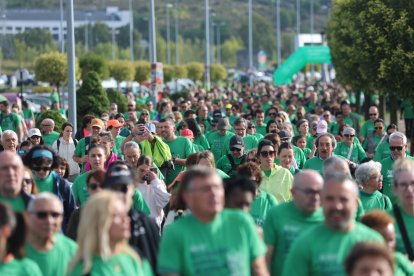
pixel 11 174
pixel 47 126
pixel 305 176
pixel 306 190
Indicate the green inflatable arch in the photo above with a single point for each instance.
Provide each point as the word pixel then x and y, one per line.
pixel 302 56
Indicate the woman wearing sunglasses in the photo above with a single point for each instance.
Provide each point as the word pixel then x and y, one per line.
pixel 94 185
pixel 375 138
pixel 29 184
pixel 350 148
pixel 105 251
pixel 42 161
pixel 275 179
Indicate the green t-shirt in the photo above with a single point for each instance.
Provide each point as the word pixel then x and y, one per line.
pixel 222 174
pixel 202 141
pixel 258 136
pixel 403 266
pixel 383 151
pixel 180 147
pixel 408 110
pixel 17 203
pixel 27 113
pixel 409 225
pixel 315 163
pixel 217 143
pixel 45 184
pixel 261 129
pixel 261 206
pixel 55 261
pixel 368 126
pixel 118 142
pixel 9 121
pixel 283 225
pixel 250 142
pixel 139 204
pixel 23 267
pixel 299 157
pixel 386 171
pixel 225 246
pixel 357 155
pixel 376 200
pixel 120 264
pixel 79 189
pixel 348 121
pixel 80 150
pixel 309 141
pixel 328 258
pixel 49 139
pixel 224 164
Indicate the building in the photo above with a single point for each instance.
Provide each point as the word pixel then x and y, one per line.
pixel 17 21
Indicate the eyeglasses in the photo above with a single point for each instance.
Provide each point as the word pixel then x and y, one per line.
pixel 28 181
pixel 272 114
pixel 349 135
pixel 399 148
pixel 326 115
pixel 123 188
pixel 35 137
pixel 267 153
pixel 372 114
pixel 251 127
pixel 378 127
pixel 309 192
pixel 235 149
pixel 405 185
pixel 93 186
pixel 45 214
pixel 45 168
pixel 46 125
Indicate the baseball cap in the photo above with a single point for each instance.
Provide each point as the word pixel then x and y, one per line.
pixel 187 133
pixel 113 123
pixel 322 127
pixel 223 124
pixel 349 130
pixel 228 106
pixel 236 142
pixel 217 115
pixel 283 134
pixel 97 123
pixel 35 132
pixel 118 176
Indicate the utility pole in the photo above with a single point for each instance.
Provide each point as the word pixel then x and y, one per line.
pixel 71 63
pixel 278 35
pixel 207 34
pixel 177 53
pixel 168 6
pixel 250 43
pixel 131 32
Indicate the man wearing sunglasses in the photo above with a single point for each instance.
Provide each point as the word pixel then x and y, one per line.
pixel 369 125
pixel 285 222
pixel 398 147
pixel 350 149
pixel 229 162
pixel 47 246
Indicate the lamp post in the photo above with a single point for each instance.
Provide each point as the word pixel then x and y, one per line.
pixel 250 43
pixel 61 36
pixel 278 34
pixel 207 61
pixel 87 17
pixel 131 32
pixel 168 7
pixel 153 35
pixel 177 54
pixel 71 63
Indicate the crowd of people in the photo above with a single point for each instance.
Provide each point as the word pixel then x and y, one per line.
pixel 239 180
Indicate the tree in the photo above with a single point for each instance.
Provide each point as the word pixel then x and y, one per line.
pixel 142 71
pixel 54 115
pixel 168 71
pixel 195 71
pixel 114 96
pixel 51 68
pixel 180 71
pixel 121 70
pixel 93 62
pixel 229 51
pixel 217 72
pixel 91 97
pixel 39 39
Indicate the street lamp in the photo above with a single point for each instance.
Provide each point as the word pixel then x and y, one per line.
pixel 278 34
pixel 177 55
pixel 87 17
pixel 312 31
pixel 213 16
pixel 168 7
pixel 61 36
pixel 218 32
pixel 250 42
pixel 153 35
pixel 207 61
pixel 131 32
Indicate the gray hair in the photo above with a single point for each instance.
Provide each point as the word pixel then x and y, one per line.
pixel 106 134
pixel 44 196
pixel 131 144
pixel 398 135
pixel 402 165
pixel 337 177
pixel 331 165
pixel 8 133
pixel 366 170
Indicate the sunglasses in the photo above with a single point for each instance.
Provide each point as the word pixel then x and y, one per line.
pixel 93 186
pixel 251 127
pixel 45 169
pixel 235 149
pixel 272 114
pixel 35 137
pixel 28 181
pixel 399 148
pixel 372 114
pixel 123 188
pixel 349 135
pixel 144 114
pixel 45 214
pixel 378 127
pixel 267 153
pixel 326 115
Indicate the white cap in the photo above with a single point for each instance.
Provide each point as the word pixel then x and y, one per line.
pixel 35 132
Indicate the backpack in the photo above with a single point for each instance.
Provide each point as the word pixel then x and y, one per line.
pixel 58 143
pixel 8 115
pixel 233 165
pixel 145 236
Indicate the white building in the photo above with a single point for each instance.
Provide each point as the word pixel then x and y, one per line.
pixel 17 21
